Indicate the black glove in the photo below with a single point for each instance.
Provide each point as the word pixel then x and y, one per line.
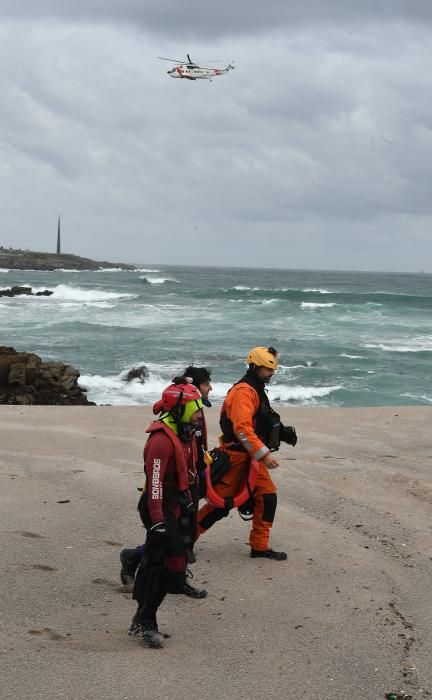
pixel 157 542
pixel 288 434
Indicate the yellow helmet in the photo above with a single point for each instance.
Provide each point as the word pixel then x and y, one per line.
pixel 263 357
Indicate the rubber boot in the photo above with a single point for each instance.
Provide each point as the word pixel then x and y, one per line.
pixel 144 626
pixel 129 560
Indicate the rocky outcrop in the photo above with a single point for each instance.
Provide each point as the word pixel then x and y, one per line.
pixel 26 379
pixel 140 373
pixel 33 260
pixel 26 291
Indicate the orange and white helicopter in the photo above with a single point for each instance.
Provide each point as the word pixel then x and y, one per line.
pixel 192 71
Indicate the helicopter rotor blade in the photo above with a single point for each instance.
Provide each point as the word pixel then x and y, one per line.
pixel 173 60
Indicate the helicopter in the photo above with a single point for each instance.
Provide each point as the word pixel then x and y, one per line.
pixel 192 71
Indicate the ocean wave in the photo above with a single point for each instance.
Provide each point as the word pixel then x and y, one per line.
pixel 301 365
pixel 353 357
pixel 312 305
pixel 302 394
pixel 85 304
pixel 3 269
pixel 145 269
pixel 113 269
pixel 69 293
pixel 262 301
pixel 158 280
pixel 312 289
pixel 413 345
pixel 114 390
pixel 417 397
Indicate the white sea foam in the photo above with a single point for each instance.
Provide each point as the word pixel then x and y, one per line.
pixel 85 304
pixel 303 365
pixel 262 301
pixel 353 357
pixel 418 344
pixel 145 269
pixel 302 394
pixel 113 390
pixel 3 269
pixel 421 397
pixel 69 293
pixel 320 291
pixel 113 269
pixel 312 306
pixel 158 280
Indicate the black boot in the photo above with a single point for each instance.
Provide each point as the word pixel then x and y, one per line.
pixel 179 585
pixel 129 560
pixel 268 554
pixel 144 626
pixel 148 633
pixel 192 592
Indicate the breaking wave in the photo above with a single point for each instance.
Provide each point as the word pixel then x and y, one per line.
pixel 158 280
pixel 69 293
pixel 312 305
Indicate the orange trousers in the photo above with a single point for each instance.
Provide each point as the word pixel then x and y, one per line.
pixel 264 497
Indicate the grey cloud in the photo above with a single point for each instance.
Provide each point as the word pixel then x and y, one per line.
pixel 317 144
pixel 195 18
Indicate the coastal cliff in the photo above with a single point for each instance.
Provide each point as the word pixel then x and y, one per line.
pixel 33 260
pixel 26 379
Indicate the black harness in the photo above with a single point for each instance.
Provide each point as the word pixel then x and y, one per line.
pixel 266 420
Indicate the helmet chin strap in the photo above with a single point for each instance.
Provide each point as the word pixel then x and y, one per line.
pixel 187 431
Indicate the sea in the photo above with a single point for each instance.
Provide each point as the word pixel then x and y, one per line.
pixel 344 338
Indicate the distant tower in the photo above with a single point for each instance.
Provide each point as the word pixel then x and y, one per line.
pixel 58 238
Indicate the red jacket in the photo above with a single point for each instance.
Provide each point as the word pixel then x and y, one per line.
pixel 169 466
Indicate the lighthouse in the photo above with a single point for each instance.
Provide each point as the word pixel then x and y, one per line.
pixel 58 237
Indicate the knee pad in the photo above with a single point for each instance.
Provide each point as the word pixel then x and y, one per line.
pixel 212 517
pixel 270 503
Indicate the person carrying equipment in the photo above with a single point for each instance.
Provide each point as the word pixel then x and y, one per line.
pixel 251 430
pixel 166 507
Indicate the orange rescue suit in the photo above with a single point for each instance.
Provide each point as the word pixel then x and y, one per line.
pixel 241 406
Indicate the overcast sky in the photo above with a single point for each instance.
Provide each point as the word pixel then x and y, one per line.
pixel 315 152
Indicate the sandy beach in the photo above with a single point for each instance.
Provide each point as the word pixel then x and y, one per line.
pixel 347 616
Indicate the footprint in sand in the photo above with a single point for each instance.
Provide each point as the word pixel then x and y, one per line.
pixel 48 632
pixel 113 544
pixel 111 584
pixel 27 533
pixel 43 567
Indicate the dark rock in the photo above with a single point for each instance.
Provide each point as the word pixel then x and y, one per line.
pixel 26 379
pixel 27 291
pixel 140 373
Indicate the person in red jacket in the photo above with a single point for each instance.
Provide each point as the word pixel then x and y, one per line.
pixel 166 507
pixel 130 558
pixel 251 429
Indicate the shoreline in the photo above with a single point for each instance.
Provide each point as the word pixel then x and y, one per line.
pixel 347 615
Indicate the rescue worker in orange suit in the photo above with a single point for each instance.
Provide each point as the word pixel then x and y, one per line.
pixel 251 429
pixel 166 507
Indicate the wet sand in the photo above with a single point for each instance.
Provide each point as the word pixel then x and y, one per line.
pixel 347 616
